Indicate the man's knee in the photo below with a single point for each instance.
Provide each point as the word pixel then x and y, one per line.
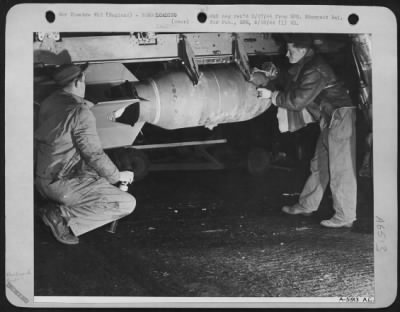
pixel 127 204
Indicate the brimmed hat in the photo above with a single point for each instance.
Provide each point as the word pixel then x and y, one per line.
pixel 68 72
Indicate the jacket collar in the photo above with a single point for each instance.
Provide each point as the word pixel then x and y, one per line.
pixel 294 71
pixel 78 98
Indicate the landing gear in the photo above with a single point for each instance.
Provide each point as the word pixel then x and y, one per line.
pixel 300 152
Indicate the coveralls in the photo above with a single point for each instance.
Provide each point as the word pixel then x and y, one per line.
pixel 313 85
pixel 72 168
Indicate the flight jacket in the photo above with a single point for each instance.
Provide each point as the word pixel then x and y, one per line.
pixel 313 85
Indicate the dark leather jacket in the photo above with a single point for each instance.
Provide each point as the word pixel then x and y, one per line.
pixel 67 142
pixel 314 86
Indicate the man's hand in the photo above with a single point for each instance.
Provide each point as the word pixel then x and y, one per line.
pixel 126 176
pixel 264 93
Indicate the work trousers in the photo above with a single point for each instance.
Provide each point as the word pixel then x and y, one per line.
pixel 334 163
pixel 87 202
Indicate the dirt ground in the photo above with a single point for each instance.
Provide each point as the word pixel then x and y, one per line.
pixel 214 233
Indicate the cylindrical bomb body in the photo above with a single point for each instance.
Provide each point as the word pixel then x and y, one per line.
pixel 221 96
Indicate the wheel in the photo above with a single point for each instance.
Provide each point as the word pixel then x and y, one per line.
pixel 258 161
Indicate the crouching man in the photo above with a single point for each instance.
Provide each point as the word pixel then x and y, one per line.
pixel 72 169
pixel 314 87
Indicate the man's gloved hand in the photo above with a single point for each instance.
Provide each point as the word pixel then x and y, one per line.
pixel 126 176
pixel 264 93
pixel 270 69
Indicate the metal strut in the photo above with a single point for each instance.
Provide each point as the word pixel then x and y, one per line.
pixel 186 54
pixel 240 57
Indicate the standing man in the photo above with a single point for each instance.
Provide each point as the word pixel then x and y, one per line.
pixel 72 169
pixel 313 86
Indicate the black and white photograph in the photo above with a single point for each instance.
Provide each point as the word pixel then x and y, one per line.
pixel 207 165
pixel 222 164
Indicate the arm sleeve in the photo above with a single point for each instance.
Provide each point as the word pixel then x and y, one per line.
pixel 87 141
pixel 310 85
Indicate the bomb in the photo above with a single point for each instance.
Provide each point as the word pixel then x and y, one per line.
pixel 221 96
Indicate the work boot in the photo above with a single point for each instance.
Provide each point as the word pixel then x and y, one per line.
pixel 336 223
pixel 296 209
pixel 53 219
